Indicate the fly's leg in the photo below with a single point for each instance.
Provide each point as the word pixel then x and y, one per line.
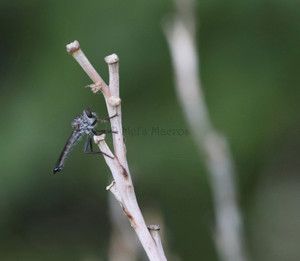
pixel 91 144
pixel 99 132
pixel 88 143
pixel 107 119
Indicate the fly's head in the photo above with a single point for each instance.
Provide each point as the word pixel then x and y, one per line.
pixel 90 117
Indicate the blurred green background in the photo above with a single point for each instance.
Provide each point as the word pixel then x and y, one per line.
pixel 250 73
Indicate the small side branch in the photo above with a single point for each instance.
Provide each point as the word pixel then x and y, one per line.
pixel 122 187
pixel 99 85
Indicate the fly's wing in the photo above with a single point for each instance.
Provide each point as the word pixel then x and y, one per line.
pixel 75 135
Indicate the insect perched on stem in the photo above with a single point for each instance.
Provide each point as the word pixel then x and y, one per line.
pixel 82 124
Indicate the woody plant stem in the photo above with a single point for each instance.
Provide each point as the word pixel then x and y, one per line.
pixel 122 186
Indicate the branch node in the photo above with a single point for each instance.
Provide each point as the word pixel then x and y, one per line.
pixel 114 101
pixel 110 59
pixel 73 47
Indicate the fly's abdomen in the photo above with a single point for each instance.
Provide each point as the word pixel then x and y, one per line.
pixel 63 156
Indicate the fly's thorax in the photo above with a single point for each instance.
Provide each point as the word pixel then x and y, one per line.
pixel 77 122
pixel 84 123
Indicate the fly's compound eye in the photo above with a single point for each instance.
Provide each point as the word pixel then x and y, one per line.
pixel 88 113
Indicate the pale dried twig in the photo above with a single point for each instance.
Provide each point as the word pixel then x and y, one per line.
pixel 122 187
pixel 180 34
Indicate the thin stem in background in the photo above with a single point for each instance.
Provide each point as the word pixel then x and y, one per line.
pixel 213 147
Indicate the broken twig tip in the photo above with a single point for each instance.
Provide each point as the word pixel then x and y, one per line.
pixel 113 58
pixel 73 47
pixel 109 187
pixel 99 138
pixel 154 227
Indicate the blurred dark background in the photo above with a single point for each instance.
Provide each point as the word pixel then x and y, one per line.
pixel 250 72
